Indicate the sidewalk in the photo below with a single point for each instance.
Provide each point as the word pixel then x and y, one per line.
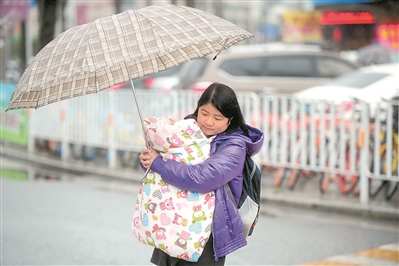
pixel 305 194
pixel 382 255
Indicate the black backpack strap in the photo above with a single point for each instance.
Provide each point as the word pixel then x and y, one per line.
pixel 220 143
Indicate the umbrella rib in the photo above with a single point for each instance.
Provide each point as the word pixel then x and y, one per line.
pixel 150 22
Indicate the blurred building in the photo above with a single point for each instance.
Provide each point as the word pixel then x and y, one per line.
pixel 352 24
pixel 339 25
pixel 265 19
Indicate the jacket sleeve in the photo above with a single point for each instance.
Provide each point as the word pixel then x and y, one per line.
pixel 222 166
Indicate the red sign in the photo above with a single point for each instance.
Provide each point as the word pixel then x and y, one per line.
pixel 337 18
pixel 14 10
pixel 389 35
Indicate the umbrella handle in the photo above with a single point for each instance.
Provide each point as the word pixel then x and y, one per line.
pixel 147 144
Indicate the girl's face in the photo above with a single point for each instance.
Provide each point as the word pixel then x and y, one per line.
pixel 211 121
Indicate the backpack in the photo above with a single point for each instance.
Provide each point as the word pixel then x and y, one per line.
pixel 249 203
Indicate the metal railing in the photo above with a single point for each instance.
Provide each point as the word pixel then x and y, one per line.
pixel 340 140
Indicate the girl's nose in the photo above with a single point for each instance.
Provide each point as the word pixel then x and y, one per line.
pixel 209 121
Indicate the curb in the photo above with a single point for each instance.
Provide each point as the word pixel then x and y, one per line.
pixel 367 211
pixel 68 167
pixel 382 255
pixel 267 195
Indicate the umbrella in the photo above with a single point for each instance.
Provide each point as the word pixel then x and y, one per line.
pixel 95 56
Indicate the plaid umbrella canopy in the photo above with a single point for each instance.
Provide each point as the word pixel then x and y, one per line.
pixel 111 50
pixel 95 56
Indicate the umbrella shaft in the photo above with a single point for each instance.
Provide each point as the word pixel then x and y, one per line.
pixel 140 115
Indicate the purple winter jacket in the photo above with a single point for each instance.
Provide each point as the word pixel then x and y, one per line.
pixel 224 166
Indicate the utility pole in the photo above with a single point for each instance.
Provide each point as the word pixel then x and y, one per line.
pixel 190 3
pixel 4 44
pixel 218 5
pixel 10 12
pixel 47 13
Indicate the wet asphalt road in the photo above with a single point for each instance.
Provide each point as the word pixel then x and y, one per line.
pixel 86 221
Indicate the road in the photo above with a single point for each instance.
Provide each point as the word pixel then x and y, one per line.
pixel 86 221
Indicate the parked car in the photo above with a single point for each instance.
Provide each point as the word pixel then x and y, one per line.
pixel 163 81
pixel 370 84
pixel 263 69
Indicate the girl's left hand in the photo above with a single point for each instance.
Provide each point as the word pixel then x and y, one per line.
pixel 147 156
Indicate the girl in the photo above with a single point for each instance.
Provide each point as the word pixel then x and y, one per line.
pixel 218 114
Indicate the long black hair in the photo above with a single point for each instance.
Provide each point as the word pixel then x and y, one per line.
pixel 225 100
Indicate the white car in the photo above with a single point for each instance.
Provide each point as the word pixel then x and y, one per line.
pixel 370 84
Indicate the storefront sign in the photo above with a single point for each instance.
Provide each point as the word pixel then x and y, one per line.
pixel 14 10
pixel 388 34
pixel 337 18
pixel 14 124
pixel 302 27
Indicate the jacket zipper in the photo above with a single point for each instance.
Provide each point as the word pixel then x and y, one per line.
pixel 213 245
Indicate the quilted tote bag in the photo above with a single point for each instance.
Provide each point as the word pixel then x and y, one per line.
pixel 176 221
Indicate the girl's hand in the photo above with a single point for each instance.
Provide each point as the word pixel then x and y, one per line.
pixel 147 156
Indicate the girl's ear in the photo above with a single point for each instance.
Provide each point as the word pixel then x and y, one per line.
pixel 230 121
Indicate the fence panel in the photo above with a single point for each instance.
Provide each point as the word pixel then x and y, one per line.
pixel 47 122
pixel 309 135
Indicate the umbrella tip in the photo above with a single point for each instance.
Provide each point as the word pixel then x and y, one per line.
pixel 223 47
